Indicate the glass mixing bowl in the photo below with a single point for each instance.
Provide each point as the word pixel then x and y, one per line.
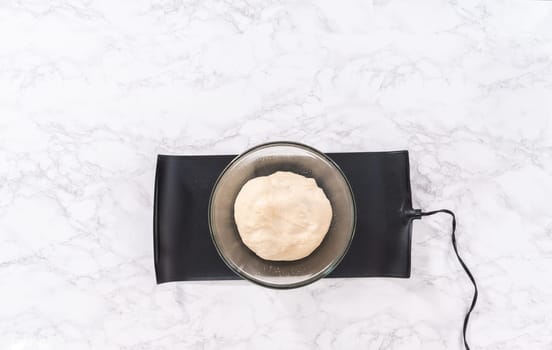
pixel 264 160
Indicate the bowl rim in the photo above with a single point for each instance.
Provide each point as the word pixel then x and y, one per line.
pixel 323 273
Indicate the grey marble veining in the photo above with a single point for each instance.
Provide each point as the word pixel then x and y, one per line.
pixel 91 91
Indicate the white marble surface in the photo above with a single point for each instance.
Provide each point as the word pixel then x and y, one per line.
pixel 92 91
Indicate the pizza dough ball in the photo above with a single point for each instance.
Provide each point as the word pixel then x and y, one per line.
pixel 283 216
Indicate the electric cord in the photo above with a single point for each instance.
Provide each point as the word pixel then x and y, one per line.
pixel 418 214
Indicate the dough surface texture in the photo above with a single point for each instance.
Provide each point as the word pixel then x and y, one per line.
pixel 283 216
